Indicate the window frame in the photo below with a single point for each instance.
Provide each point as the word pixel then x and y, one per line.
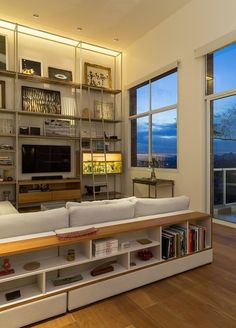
pixel 151 112
pixel 210 97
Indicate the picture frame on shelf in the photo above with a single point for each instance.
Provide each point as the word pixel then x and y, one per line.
pixel 31 67
pixel 2 94
pixel 101 145
pixel 41 100
pixel 85 113
pixel 97 75
pixel 86 144
pixel 3 52
pixel 103 110
pixel 59 74
pixel 57 127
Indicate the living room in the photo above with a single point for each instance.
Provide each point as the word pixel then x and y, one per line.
pixel 91 91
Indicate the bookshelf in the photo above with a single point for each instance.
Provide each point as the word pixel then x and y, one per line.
pixel 129 269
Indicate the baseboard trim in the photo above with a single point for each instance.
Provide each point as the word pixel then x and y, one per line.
pixel 225 223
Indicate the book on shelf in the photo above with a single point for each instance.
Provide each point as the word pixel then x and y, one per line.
pixel 105 246
pixel 5 160
pixel 197 238
pixel 173 242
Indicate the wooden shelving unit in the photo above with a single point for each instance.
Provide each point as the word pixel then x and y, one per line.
pixel 76 95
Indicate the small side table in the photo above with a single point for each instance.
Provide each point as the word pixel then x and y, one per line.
pixel 155 183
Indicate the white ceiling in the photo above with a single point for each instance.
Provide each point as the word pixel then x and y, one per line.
pixel 101 20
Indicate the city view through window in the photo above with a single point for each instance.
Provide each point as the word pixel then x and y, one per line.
pixel 154 128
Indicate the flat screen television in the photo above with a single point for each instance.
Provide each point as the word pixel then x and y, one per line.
pixel 46 158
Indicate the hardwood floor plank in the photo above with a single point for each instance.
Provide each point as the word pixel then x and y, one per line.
pixel 59 322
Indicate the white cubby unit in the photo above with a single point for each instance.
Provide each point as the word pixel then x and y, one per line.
pixel 131 264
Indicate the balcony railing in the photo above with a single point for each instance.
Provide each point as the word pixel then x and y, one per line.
pixel 224 186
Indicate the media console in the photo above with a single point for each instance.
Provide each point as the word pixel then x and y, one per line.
pixel 36 191
pixel 41 298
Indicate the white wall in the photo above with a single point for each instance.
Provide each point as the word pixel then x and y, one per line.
pixel 198 23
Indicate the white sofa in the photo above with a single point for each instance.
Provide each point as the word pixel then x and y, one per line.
pixel 21 226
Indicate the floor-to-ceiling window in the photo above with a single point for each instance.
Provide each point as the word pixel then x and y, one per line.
pixel 221 99
pixel 153 116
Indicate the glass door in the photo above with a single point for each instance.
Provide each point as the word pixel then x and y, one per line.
pixel 223 158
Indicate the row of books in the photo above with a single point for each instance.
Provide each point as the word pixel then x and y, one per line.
pixel 197 238
pixel 5 160
pixel 174 240
pixel 105 246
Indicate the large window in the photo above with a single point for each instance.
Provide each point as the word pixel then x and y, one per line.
pixel 153 115
pixel 221 99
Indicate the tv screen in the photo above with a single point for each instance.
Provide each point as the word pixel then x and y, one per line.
pixel 44 158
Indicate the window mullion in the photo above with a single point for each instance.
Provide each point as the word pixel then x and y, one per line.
pixel 150 123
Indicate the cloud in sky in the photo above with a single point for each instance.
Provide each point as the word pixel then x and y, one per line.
pixel 163 136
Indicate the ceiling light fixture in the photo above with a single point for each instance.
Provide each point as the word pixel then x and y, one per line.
pixel 36 15
pixel 99 49
pixel 79 28
pixel 58 38
pixel 116 39
pixel 7 25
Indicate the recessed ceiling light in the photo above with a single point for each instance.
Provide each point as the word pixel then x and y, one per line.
pixel 116 39
pixel 36 15
pixel 79 28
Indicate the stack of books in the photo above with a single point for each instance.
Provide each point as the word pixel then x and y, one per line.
pixel 174 242
pixel 5 160
pixel 197 238
pixel 105 246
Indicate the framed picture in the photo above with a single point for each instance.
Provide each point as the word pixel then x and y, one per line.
pixel 97 76
pixel 2 94
pixel 41 100
pixel 103 110
pixel 30 67
pixel 3 52
pixel 59 74
pixel 57 127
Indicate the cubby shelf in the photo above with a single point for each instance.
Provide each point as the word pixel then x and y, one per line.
pixel 7 111
pixel 7 182
pixel 7 135
pixel 28 292
pixel 125 261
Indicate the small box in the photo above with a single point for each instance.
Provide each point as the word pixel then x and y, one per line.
pixel 24 130
pixel 34 131
pixel 125 244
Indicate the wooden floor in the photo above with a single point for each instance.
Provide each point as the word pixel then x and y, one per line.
pixel 204 297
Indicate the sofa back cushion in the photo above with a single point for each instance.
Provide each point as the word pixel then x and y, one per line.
pixel 100 202
pixel 84 215
pixel 29 223
pixel 150 206
pixel 87 203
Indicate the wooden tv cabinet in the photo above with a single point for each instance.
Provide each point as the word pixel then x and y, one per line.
pixel 58 189
pixel 41 299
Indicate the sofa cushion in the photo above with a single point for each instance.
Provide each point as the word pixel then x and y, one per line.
pixel 29 223
pixel 84 215
pixel 100 202
pixel 150 206
pixel 119 200
pixel 92 203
